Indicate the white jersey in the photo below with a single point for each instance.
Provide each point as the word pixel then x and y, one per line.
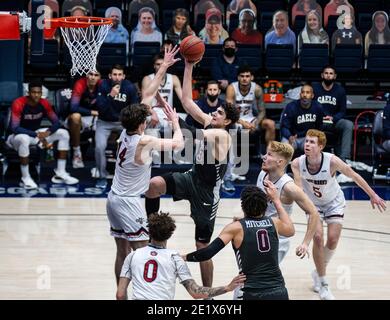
pixel 153 271
pixel 166 91
pixel 321 187
pixel 245 103
pixel 130 179
pixel 279 184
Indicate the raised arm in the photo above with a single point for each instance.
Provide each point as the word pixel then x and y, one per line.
pixel 189 105
pixel 295 170
pixel 260 103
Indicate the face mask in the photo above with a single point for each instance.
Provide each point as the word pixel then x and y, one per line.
pixel 229 52
pixel 211 97
pixel 328 82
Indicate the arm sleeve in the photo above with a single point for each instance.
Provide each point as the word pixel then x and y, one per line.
pixel 52 116
pixel 285 123
pixel 206 253
pixel 77 93
pixel 16 114
pixel 343 106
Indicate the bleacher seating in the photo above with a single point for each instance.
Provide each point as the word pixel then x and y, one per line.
pixel 279 58
pixel 253 56
pixel 313 57
pixel 348 58
pixel 49 60
pixel 112 53
pixel 378 60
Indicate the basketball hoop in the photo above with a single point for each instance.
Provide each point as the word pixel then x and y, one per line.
pixel 83 37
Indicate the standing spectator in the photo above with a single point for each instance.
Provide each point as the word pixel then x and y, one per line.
pixel 280 32
pixel 246 32
pixel 313 31
pixel 224 69
pixel 348 34
pixel 213 31
pixel 337 8
pixel 136 5
pixel 208 104
pixel 83 111
pixel 202 6
pixel 303 7
pixel 146 29
pixel 236 7
pixel 299 116
pixel 117 33
pixel 333 99
pixel 26 117
pixel 386 127
pixel 379 32
pixel 180 27
pixel 114 94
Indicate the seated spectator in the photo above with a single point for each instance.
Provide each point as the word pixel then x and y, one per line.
pixel 83 111
pixel 299 116
pixel 180 27
pixel 146 29
pixel 78 11
pixel 280 32
pixel 379 32
pixel 236 6
pixel 69 6
pixel 246 32
pixel 348 34
pixel 213 31
pixel 136 5
pixel 117 33
pixel 337 8
pixel 202 6
pixel 26 116
pixel 313 31
pixel 224 69
pixel 386 127
pixel 303 7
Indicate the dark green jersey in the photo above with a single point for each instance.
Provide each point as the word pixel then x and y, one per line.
pixel 257 257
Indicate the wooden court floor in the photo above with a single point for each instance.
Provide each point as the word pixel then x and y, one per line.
pixel 61 249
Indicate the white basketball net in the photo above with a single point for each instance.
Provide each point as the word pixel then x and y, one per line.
pixel 84 45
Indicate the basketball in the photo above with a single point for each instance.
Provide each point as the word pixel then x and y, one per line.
pixel 192 48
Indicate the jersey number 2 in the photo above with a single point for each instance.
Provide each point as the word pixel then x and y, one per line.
pixel 263 243
pixel 150 270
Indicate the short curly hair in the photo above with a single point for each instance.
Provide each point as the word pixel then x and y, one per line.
pixel 161 226
pixel 232 114
pixel 253 202
pixel 134 115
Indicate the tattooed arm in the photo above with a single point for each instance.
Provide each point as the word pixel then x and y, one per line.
pixel 199 292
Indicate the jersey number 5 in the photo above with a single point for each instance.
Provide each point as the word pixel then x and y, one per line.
pixel 317 192
pixel 263 244
pixel 150 270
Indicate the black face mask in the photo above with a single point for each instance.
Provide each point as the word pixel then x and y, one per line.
pixel 229 52
pixel 211 97
pixel 328 82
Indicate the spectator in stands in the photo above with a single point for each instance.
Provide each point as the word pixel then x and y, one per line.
pixel 146 29
pixel 303 7
pixel 348 34
pixel 379 32
pixel 208 104
pixel 136 5
pixel 246 32
pixel 236 6
pixel 224 69
pixel 114 94
pixel 337 8
pixel 313 31
pixel 299 116
pixel 202 6
pixel 213 31
pixel 333 100
pixel 180 26
pixel 117 33
pixel 26 116
pixel 78 11
pixel 386 127
pixel 280 32
pixel 83 111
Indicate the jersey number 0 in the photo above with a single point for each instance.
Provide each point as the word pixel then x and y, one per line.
pixel 150 270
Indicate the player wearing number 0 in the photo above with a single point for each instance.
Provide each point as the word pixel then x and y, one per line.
pixel 133 168
pixel 255 243
pixel 154 268
pixel 316 172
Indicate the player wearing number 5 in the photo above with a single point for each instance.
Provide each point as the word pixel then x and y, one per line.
pixel 154 268
pixel 316 172
pixel 125 209
pixel 255 243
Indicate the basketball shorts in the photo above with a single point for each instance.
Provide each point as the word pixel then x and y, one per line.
pixel 87 123
pixel 333 212
pixel 127 217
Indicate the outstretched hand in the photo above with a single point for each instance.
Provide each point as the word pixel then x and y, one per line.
pixel 236 281
pixel 169 56
pixel 377 200
pixel 167 108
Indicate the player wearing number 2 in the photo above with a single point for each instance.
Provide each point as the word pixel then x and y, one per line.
pixel 154 268
pixel 316 171
pixel 133 168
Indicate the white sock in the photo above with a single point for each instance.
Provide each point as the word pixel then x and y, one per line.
pixel 323 281
pixel 328 254
pixel 76 151
pixel 61 165
pixel 24 170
